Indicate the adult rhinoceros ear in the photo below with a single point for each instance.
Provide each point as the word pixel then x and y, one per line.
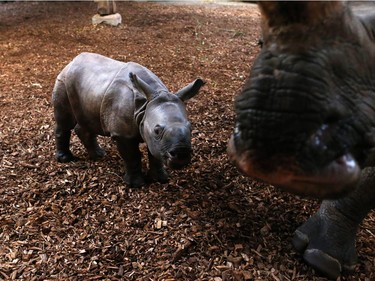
pixel 143 86
pixel 190 90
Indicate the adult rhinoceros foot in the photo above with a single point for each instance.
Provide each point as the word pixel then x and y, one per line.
pixel 327 245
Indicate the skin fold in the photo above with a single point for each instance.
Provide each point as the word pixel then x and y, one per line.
pixel 305 119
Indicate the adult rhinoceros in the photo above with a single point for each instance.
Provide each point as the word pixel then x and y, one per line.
pixel 306 120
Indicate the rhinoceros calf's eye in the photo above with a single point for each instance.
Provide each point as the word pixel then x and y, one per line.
pixel 158 129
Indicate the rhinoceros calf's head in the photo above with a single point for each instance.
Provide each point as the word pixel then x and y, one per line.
pixel 306 113
pixel 165 127
pixel 167 131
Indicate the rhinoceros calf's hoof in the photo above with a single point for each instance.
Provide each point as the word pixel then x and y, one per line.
pixel 135 181
pixel 63 157
pixel 97 154
pixel 158 176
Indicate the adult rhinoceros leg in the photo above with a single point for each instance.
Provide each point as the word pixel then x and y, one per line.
pixel 90 142
pixel 129 151
pixel 327 239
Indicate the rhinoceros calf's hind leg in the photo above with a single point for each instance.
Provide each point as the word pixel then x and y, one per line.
pixel 65 122
pixel 63 153
pixel 327 239
pixel 90 142
pixel 129 151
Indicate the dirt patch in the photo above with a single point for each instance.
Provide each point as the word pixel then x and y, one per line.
pixel 78 221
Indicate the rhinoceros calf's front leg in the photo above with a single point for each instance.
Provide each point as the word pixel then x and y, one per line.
pixel 156 172
pixel 129 151
pixel 90 142
pixel 327 239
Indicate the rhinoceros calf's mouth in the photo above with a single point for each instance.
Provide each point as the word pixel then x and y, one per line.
pixel 178 158
pixel 177 165
pixel 330 181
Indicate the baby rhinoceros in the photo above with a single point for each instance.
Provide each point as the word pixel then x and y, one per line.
pixel 97 95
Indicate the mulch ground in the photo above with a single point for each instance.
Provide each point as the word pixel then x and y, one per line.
pixel 79 221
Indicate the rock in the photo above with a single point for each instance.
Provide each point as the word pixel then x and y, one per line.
pixel 114 19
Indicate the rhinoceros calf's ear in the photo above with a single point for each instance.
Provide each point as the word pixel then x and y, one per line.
pixel 190 90
pixel 143 86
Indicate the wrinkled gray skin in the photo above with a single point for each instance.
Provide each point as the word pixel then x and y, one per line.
pixel 96 95
pixel 306 120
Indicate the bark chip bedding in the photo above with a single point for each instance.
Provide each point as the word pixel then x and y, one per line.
pixel 78 221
